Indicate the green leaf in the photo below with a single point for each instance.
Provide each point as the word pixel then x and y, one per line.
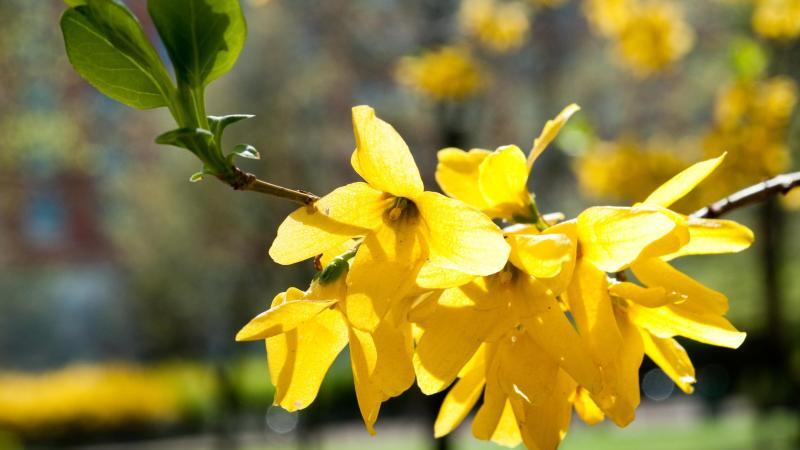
pixel 219 123
pixel 197 176
pixel 107 46
pixel 246 151
pixel 192 139
pixel 74 3
pixel 203 37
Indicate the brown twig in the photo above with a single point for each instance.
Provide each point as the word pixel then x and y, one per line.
pixel 243 181
pixel 780 184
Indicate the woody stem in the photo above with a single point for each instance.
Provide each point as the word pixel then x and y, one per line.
pixel 756 193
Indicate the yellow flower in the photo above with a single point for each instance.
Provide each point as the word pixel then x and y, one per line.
pixel 448 73
pixel 501 26
pixel 653 37
pixel 410 236
pixel 496 182
pixel 507 335
pixel 306 331
pixel 777 19
pixel 623 321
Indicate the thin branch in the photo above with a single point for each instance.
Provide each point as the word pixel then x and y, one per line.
pixel 243 181
pixel 780 184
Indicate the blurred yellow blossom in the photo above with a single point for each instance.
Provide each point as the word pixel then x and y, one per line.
pixel 777 19
pixel 499 25
pixel 447 73
pixel 608 17
pixel 751 119
pixel 88 396
pixel 626 169
pixel 653 37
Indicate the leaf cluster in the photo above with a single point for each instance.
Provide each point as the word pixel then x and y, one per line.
pixel 107 46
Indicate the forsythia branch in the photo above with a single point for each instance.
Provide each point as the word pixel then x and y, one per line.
pixel 243 181
pixel 752 194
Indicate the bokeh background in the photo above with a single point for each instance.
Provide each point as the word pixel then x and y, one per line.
pixel 122 284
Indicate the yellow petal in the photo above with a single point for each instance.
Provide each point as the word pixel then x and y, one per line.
pixel 612 237
pixel 713 236
pixel 299 359
pixel 457 175
pixel 453 333
pixel 525 370
pixel 281 319
pixel 586 408
pixel 551 331
pixel 382 367
pixel 682 183
pixel 462 397
pixel 650 297
pixel 541 255
pixel 503 178
pixel 495 419
pixel 590 306
pixel 671 357
pixel 460 237
pixel 559 283
pixel 507 432
pixel 673 320
pixel 431 276
pixel 625 372
pixel 307 233
pixel 355 204
pixel 549 132
pixel 654 272
pixel 383 271
pixel 384 159
pixel 544 425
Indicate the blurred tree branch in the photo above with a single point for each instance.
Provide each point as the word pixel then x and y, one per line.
pixel 756 193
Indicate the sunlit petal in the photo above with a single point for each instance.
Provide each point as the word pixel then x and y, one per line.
pixel 541 255
pixel 654 272
pixel 503 177
pixel 299 359
pixel 383 271
pixel 549 132
pixel 713 236
pixel 612 237
pixel 457 175
pixel 306 233
pixel 586 408
pixel 384 159
pixel 650 297
pixel 463 396
pixel 460 237
pixel 682 183
pixel 673 320
pixel 355 204
pixel 671 357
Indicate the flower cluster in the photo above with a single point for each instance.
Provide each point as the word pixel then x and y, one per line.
pixel 498 25
pixel 777 19
pixel 627 168
pixel 447 73
pixel 751 121
pixel 648 35
pixel 535 318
